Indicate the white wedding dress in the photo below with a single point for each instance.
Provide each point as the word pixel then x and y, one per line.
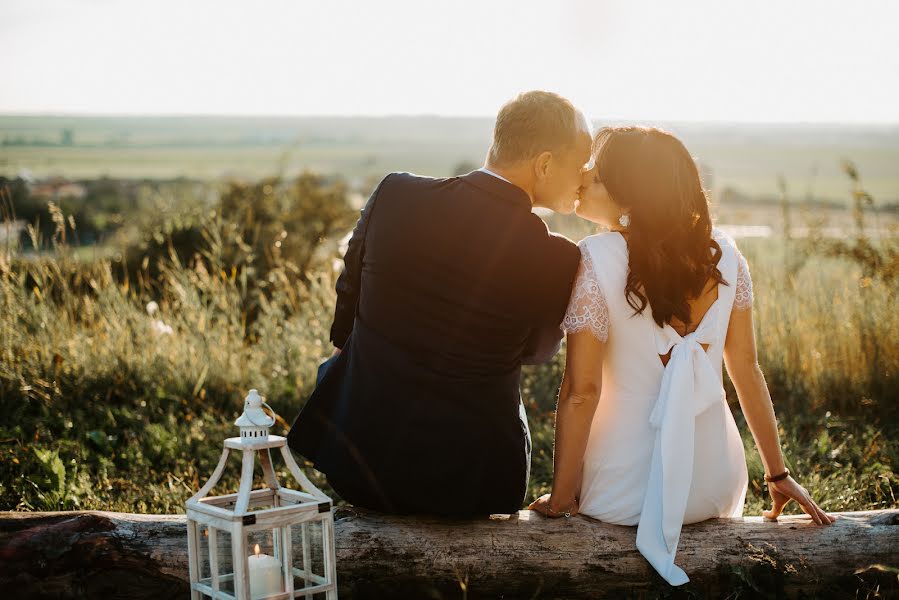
pixel 663 448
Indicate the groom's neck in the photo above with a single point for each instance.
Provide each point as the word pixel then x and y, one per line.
pixel 518 176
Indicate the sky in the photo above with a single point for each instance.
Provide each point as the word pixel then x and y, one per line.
pixel 815 61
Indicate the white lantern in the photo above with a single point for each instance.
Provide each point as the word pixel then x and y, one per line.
pixel 281 541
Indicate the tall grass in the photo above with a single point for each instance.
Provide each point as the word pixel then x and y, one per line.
pixel 117 391
pixel 118 395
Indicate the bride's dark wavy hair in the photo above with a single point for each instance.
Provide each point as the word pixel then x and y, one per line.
pixel 649 173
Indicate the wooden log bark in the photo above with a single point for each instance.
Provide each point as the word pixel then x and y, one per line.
pixel 97 554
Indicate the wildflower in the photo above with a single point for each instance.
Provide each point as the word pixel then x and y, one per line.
pixel 152 307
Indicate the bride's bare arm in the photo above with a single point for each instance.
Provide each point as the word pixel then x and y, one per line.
pixel 587 323
pixel 578 399
pixel 741 359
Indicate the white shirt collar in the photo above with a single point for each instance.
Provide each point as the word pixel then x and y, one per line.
pixel 489 172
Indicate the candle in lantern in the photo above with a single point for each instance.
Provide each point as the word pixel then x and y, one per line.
pixel 265 575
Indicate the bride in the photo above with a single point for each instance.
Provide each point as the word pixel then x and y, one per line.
pixel 644 435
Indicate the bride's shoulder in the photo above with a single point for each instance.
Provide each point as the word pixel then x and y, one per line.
pixel 723 238
pixel 604 251
pixel 728 245
pixel 602 242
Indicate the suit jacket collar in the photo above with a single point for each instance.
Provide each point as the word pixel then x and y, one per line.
pixel 499 188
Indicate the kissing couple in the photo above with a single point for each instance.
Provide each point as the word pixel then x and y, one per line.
pixel 451 285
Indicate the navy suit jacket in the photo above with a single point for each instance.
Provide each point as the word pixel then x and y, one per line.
pixel 449 286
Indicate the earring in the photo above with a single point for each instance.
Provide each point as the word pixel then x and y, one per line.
pixel 624 220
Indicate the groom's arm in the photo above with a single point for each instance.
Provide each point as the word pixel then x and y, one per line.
pixel 543 344
pixel 558 265
pixel 350 279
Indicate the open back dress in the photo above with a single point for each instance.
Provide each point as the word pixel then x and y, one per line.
pixel 663 448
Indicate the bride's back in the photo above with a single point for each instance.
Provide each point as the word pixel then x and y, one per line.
pixel 699 306
pixel 633 363
pixel 619 450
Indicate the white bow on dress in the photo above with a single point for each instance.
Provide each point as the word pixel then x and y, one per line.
pixel 690 385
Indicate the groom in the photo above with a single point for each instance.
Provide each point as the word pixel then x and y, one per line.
pixel 449 286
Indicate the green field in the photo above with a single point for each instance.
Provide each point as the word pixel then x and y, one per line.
pixel 745 158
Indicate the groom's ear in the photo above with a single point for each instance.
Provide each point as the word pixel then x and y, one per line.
pixel 541 164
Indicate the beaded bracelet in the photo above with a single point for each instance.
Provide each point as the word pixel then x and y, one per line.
pixel 783 475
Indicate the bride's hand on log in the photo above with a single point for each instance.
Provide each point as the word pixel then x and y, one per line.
pixel 546 506
pixel 783 491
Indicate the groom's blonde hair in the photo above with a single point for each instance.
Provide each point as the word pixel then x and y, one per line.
pixel 532 123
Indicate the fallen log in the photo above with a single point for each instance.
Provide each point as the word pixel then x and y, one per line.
pixel 96 554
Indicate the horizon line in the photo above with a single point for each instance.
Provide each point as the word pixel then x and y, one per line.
pixel 146 115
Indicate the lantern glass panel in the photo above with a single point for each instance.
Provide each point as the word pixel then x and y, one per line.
pixel 203 550
pixel 225 562
pixel 309 564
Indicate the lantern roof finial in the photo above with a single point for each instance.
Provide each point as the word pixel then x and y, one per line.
pixel 253 415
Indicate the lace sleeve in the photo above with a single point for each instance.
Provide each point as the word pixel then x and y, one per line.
pixel 743 298
pixel 587 309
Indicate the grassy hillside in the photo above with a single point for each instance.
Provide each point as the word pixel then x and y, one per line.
pixel 743 158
